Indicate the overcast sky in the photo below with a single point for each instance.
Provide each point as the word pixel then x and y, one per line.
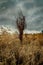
pixel 32 9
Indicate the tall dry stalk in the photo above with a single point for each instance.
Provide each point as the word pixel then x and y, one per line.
pixel 21 25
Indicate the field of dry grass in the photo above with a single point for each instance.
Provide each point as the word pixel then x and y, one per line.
pixel 13 52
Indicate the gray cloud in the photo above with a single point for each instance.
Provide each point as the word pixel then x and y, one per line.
pixel 38 3
pixel 4 4
pixel 28 5
pixel 32 9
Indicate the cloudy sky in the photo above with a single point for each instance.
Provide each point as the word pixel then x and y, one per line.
pixel 32 9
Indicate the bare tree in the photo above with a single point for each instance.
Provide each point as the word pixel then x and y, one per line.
pixel 21 25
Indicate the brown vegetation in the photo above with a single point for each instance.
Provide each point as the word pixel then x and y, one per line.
pixel 30 52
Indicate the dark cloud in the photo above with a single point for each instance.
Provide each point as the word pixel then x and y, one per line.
pixel 32 9
pixel 28 5
pixel 39 12
pixel 38 3
pixel 7 4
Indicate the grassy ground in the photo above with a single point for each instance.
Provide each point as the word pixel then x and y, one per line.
pixel 13 52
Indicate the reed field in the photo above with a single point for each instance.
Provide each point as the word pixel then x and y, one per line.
pixel 15 52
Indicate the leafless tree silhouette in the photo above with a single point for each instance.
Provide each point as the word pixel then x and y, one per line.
pixel 21 25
